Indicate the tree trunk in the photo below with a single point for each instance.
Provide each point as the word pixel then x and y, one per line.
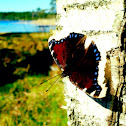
pixel 102 22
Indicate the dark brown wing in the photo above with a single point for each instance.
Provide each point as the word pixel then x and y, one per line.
pixel 63 49
pixel 85 72
pixel 78 62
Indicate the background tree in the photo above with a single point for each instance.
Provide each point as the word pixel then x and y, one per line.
pixel 53 6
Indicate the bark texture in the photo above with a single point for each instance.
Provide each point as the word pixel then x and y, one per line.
pixel 103 22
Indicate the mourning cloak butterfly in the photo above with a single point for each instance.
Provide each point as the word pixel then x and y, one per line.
pixel 78 62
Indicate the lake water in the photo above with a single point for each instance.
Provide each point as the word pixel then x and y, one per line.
pixel 23 26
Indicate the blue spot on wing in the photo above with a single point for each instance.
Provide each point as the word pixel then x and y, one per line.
pixel 97 87
pixel 95 84
pixel 49 43
pixel 98 58
pixel 95 50
pixel 97 54
pixel 95 73
pixel 70 36
pixel 75 35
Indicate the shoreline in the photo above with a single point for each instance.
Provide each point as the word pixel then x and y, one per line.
pixel 44 21
pixel 41 21
pixel 10 33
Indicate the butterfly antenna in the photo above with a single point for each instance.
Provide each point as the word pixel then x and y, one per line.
pixel 50 78
pixel 53 83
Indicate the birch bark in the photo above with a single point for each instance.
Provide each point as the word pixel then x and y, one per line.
pixel 102 21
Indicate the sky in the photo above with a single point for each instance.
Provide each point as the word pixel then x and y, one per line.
pixel 23 5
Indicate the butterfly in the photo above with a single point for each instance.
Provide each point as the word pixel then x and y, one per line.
pixel 78 62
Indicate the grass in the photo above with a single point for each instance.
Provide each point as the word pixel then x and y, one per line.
pixel 26 103
pixel 30 42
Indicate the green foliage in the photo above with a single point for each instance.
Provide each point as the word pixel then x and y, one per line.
pixel 26 103
pixel 26 15
pixel 53 6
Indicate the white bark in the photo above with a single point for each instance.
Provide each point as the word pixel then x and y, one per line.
pixel 102 22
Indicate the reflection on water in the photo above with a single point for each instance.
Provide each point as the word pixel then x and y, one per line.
pixel 23 26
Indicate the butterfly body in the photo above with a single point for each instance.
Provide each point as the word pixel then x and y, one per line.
pixel 78 62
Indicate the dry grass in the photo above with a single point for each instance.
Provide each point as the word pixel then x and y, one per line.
pixel 25 103
pixel 48 21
